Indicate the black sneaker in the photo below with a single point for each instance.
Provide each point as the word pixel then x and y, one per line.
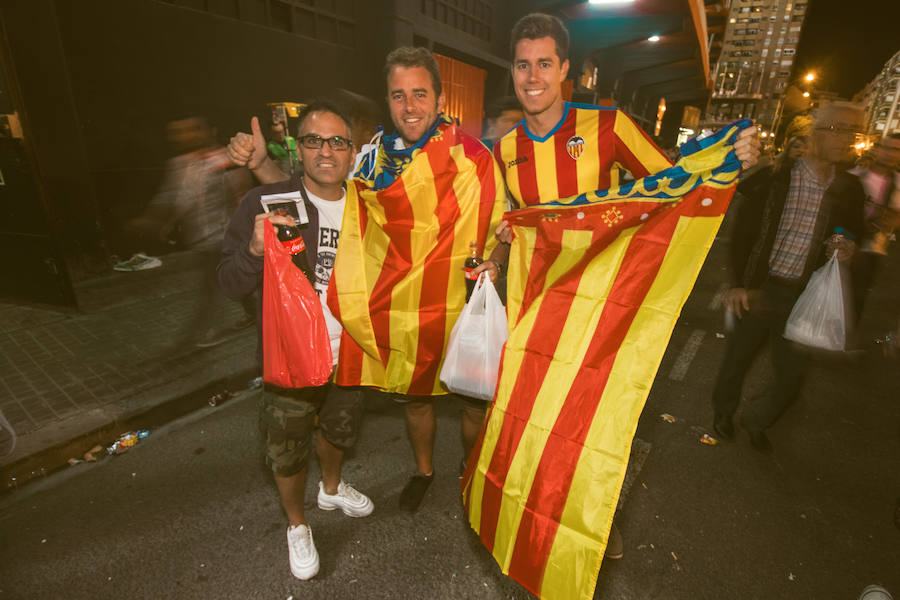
pixel 724 427
pixel 758 439
pixel 414 491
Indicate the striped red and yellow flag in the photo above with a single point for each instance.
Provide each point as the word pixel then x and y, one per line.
pixel 596 284
pixel 398 283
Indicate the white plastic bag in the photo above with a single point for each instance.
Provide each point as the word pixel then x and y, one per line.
pixel 820 316
pixel 472 360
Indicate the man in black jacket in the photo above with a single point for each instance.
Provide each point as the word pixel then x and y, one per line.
pixel 789 222
pixel 287 416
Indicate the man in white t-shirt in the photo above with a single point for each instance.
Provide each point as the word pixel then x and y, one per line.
pixel 331 213
pixel 287 415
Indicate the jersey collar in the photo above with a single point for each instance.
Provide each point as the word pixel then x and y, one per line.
pixel 566 107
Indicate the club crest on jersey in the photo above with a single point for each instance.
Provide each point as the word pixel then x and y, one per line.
pixel 575 146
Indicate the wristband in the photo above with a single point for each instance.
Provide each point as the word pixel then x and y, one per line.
pixel 501 270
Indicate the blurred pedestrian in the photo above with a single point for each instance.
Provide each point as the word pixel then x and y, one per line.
pixel 287 416
pixel 281 147
pixel 500 115
pixel 189 212
pixel 881 182
pixel 788 218
pixel 795 149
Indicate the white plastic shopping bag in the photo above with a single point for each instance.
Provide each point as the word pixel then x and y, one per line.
pixel 820 316
pixel 472 360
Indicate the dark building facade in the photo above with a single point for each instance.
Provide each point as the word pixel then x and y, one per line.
pixel 88 88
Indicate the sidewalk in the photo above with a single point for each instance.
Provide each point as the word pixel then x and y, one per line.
pixel 64 374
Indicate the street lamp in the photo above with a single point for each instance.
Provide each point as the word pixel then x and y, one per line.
pixel 806 94
pixel 810 77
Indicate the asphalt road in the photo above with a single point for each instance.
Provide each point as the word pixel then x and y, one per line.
pixel 192 513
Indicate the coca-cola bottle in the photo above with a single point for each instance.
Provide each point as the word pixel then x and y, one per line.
pixel 290 238
pixel 472 261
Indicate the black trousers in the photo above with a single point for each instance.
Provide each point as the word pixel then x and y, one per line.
pixel 866 266
pixel 769 310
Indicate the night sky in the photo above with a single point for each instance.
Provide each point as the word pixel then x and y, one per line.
pixel 846 43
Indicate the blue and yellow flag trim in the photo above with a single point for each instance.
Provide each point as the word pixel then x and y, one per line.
pixel 709 160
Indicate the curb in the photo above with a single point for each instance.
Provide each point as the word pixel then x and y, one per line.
pixel 38 465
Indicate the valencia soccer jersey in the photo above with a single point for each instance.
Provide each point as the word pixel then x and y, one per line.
pixel 577 156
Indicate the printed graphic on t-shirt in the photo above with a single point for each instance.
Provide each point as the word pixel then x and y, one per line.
pixel 328 241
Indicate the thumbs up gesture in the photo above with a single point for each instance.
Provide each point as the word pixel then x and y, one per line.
pixel 248 149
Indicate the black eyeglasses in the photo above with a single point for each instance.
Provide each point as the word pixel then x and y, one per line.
pixel 314 142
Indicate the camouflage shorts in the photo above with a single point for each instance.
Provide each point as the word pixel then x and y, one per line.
pixel 287 420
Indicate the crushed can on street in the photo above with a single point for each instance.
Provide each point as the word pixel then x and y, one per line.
pixel 220 397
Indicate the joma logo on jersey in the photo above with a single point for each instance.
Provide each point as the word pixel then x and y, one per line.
pixel 516 161
pixel 575 146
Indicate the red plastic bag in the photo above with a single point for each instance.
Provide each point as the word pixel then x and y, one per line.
pixel 296 346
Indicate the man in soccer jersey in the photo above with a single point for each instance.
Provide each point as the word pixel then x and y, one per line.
pixel 563 149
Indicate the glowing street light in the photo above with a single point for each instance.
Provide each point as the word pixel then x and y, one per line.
pixel 610 1
pixel 806 94
pixel 810 77
pixel 653 38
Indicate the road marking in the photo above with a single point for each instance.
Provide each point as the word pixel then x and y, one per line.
pixel 716 302
pixel 688 352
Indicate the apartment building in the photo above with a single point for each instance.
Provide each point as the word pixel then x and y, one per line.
pixel 756 62
pixel 881 98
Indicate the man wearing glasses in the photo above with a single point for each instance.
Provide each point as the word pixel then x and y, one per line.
pixel 788 224
pixel 287 416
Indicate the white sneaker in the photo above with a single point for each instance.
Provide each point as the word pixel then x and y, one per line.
pixel 348 499
pixel 304 558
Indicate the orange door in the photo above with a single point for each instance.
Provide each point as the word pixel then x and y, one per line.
pixel 464 91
